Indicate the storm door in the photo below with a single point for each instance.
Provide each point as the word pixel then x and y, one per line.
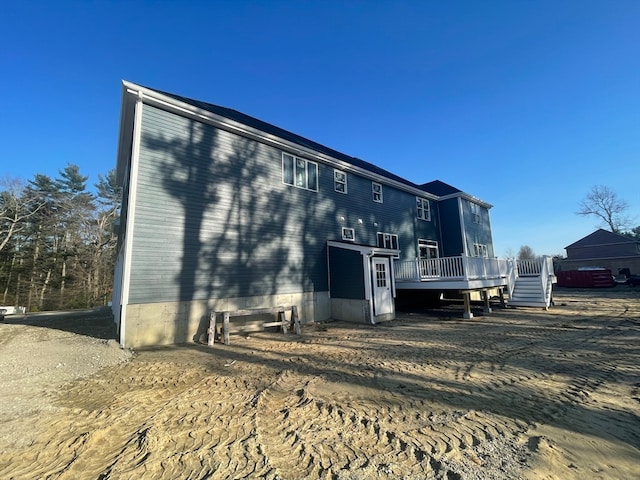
pixel 382 298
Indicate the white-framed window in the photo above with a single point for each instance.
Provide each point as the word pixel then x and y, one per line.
pixel 340 181
pixel 299 172
pixel 475 212
pixel 423 209
pixel 428 249
pixel 348 234
pixel 480 250
pixel 376 190
pixel 387 240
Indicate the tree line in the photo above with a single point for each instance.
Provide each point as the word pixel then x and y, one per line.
pixel 57 240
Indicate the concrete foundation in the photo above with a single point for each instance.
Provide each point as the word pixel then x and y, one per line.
pixel 185 322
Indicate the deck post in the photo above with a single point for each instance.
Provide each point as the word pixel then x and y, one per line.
pixel 501 294
pixel 485 298
pixel 467 305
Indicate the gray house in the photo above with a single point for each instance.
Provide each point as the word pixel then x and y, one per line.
pixel 222 211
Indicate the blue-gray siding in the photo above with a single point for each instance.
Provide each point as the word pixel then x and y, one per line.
pixel 452 245
pixel 477 231
pixel 213 218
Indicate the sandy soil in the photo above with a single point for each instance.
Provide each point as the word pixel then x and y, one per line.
pixel 519 394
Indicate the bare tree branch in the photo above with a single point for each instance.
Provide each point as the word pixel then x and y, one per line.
pixel 15 208
pixel 604 203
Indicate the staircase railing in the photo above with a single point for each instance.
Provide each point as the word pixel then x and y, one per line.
pixel 512 275
pixel 546 271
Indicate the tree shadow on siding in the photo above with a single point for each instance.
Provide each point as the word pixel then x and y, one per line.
pixel 244 233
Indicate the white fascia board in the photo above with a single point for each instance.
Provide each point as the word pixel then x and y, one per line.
pixel 190 111
pixel 127 119
pixel 130 218
pixel 364 249
pixel 466 196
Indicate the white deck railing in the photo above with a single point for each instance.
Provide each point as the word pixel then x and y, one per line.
pixel 450 268
pixel 470 268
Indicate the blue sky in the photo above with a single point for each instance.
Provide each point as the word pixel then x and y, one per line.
pixel 524 104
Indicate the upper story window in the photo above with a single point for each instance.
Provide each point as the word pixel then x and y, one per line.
pixel 376 190
pixel 475 212
pixel 388 240
pixel 299 172
pixel 423 209
pixel 339 181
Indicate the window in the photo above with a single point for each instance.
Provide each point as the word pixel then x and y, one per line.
pixel 376 189
pixel 475 211
pixel 428 249
pixel 299 172
pixel 423 209
pixel 348 234
pixel 381 275
pixel 339 181
pixel 480 250
pixel 388 240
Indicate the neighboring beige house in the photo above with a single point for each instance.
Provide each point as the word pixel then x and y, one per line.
pixel 603 249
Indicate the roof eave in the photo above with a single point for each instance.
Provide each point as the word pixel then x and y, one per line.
pixel 152 96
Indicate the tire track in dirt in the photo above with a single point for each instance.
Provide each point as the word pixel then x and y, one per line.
pixel 438 400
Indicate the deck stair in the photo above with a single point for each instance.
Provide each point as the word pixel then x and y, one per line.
pixel 533 287
pixel 529 292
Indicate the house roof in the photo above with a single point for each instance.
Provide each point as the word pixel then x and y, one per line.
pixel 286 135
pixel 601 237
pixel 430 188
pixel 439 188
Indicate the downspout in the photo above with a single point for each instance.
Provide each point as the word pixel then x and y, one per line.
pixel 368 284
pixel 128 232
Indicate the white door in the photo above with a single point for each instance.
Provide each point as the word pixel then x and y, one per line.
pixel 382 298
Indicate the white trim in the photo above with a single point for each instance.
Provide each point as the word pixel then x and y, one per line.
pixel 466 196
pixel 185 109
pixel 463 230
pixel 347 237
pixel 306 172
pixel 374 279
pixel 131 204
pixel 338 182
pixel 391 236
pixel 364 249
pixel 374 193
pixel 428 244
pixel 422 200
pixel 368 287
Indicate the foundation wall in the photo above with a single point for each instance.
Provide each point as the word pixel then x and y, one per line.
pixel 187 322
pixel 350 310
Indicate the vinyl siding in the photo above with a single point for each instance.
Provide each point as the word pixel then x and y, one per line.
pixel 451 232
pixel 214 220
pixel 477 232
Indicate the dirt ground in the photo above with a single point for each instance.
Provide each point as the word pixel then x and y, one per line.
pixel 518 394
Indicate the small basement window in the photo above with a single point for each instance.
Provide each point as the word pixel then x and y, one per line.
pixel 348 234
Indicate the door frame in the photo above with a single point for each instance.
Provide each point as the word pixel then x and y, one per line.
pixel 382 296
